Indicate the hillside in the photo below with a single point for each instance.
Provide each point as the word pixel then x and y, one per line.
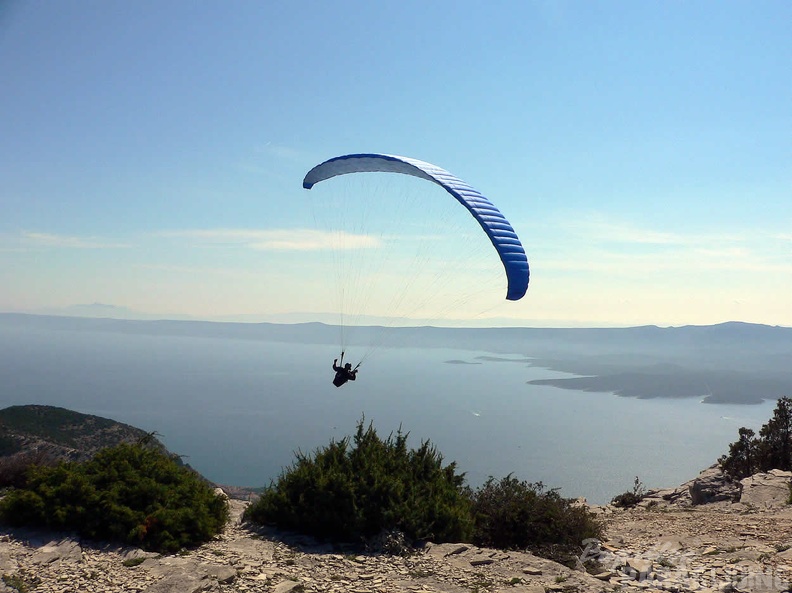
pixel 707 535
pixel 61 433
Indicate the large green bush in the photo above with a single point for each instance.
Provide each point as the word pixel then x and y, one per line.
pixel 129 493
pixel 354 489
pixel 515 514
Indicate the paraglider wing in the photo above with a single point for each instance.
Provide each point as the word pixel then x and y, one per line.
pixel 498 229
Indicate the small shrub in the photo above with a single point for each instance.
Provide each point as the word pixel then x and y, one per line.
pixel 628 500
pixel 665 562
pixel 14 468
pixel 132 562
pixel 356 488
pixel 128 493
pixel 18 583
pixel 515 514
pixel 391 542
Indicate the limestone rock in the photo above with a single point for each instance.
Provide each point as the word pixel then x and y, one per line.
pixel 224 574
pixel 533 588
pixel 135 553
pixel 712 485
pixel 638 568
pixel 762 583
pixel 286 587
pixel 67 550
pixel 604 576
pixel 766 489
pixel 6 563
pixel 785 554
pixel 181 583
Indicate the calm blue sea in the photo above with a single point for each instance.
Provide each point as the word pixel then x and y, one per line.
pixel 238 410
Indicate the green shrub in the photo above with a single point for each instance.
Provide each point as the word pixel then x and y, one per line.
pixel 17 583
pixel 133 562
pixel 743 457
pixel 628 499
pixel 129 493
pixel 355 489
pixel 772 449
pixel 514 514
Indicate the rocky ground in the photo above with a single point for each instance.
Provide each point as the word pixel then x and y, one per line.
pixel 720 547
pixel 665 544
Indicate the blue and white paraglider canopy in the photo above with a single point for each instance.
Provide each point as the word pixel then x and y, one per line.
pixel 494 224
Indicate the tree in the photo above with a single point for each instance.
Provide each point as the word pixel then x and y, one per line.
pixel 742 458
pixel 775 450
pixel 772 449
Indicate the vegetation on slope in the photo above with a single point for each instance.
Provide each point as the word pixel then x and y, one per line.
pixel 133 494
pixel 353 489
pixel 771 449
pixel 65 433
pixel 349 490
pixel 514 514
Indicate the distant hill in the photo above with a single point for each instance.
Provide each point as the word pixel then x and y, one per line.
pixel 732 362
pixel 64 434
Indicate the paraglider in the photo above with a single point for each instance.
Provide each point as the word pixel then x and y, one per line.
pixel 494 224
pixel 499 231
pixel 343 373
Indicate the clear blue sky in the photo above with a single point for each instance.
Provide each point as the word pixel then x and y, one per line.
pixel 151 151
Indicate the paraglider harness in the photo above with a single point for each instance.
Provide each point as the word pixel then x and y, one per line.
pixel 344 373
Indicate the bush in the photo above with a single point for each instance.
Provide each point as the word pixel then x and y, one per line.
pixel 743 455
pixel 515 514
pixel 628 499
pixel 129 493
pixel 353 490
pixel 14 468
pixel 772 449
pixel 775 438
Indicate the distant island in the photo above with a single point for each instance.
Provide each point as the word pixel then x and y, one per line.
pixel 734 362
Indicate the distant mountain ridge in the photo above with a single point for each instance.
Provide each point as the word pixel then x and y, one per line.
pixel 732 362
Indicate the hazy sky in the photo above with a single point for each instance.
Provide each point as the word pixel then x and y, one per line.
pixel 152 153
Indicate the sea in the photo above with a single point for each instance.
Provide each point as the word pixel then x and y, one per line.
pixel 238 410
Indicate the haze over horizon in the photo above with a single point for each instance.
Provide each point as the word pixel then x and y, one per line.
pixel 152 153
pixel 106 311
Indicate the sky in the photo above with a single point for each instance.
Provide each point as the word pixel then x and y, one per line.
pixel 152 154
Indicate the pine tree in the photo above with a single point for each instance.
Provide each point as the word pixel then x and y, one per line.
pixel 775 450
